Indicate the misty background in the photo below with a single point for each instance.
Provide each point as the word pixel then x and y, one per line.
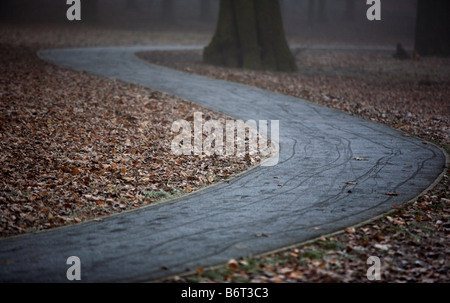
pixel 306 21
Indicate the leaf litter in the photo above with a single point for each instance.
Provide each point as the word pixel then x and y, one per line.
pixel 34 135
pixel 412 242
pixel 77 147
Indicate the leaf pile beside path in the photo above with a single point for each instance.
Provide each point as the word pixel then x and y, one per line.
pixel 412 96
pixel 76 147
pixel 412 244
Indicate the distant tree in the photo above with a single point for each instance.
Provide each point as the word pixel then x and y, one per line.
pixel 349 12
pixel 314 16
pixel 205 10
pixel 433 28
pixel 8 10
pixel 310 12
pixel 89 11
pixel 401 53
pixel 167 10
pixel 250 35
pixel 322 14
pixel 131 5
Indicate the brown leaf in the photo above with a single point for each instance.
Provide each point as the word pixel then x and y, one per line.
pixel 199 270
pixel 233 265
pixel 350 230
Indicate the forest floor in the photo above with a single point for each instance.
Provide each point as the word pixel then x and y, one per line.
pixel 63 163
pixel 77 147
pixel 413 96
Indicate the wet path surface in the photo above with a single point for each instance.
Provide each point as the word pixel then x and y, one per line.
pixel 320 150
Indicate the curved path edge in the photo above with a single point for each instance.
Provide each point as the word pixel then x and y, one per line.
pixel 320 150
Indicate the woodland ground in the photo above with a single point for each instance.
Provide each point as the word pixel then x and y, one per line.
pixel 77 147
pixel 63 162
pixel 410 95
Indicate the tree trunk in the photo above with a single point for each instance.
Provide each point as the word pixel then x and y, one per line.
pixel 310 12
pixel 7 10
pixel 321 11
pixel 349 13
pixel 89 11
pixel 250 35
pixel 167 10
pixel 433 28
pixel 205 10
pixel 131 5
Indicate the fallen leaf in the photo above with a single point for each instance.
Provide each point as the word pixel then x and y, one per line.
pixel 296 275
pixel 233 265
pixel 350 230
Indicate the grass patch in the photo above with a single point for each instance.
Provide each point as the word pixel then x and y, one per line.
pixel 161 195
pixel 313 253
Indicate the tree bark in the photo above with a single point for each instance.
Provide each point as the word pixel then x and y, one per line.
pixel 250 35
pixel 7 10
pixel 432 28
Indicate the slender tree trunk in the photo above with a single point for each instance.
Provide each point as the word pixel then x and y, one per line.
pixel 131 5
pixel 310 12
pixel 321 11
pixel 433 28
pixel 89 11
pixel 205 10
pixel 349 13
pixel 167 10
pixel 250 35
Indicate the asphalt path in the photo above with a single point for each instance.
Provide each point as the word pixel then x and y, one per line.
pixel 303 196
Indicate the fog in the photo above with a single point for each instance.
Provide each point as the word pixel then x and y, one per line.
pixel 338 23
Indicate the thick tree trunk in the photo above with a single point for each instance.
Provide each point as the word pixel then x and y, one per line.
pixel 250 35
pixel 6 10
pixel 433 28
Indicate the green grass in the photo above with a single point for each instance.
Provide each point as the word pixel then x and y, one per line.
pixel 161 195
pixel 313 253
pixel 331 244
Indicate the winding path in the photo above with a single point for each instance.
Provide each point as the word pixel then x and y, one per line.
pixel 317 158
